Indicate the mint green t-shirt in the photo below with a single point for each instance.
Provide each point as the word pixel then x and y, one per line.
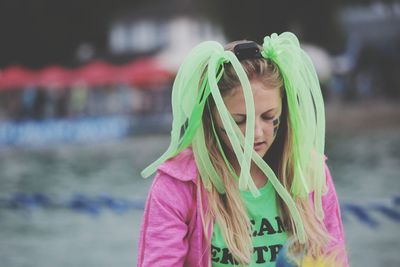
pixel 268 235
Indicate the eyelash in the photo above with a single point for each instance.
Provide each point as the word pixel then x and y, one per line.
pixel 243 121
pixel 268 118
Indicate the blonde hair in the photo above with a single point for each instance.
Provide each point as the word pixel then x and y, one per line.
pixel 228 210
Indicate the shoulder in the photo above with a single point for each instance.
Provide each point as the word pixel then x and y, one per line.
pixel 330 202
pixel 174 185
pixel 181 167
pixel 329 181
pixel 333 219
pixel 329 196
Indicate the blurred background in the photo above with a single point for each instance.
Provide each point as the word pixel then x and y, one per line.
pixel 85 105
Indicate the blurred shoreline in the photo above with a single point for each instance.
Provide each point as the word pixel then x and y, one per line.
pixel 365 115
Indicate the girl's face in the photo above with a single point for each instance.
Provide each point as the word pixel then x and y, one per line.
pixel 268 108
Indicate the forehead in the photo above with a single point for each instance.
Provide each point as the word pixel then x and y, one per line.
pixel 265 98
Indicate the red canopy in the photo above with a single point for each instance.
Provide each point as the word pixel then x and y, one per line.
pixel 95 73
pixel 140 73
pixel 53 77
pixel 16 77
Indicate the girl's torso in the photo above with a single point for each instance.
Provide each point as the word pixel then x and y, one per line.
pixel 268 234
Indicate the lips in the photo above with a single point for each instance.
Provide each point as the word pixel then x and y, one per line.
pixel 259 145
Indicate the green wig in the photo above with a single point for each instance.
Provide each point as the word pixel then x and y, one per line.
pixel 197 79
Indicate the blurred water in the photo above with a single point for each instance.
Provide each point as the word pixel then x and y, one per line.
pixel 364 166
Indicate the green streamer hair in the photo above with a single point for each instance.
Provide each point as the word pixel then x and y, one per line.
pixel 197 79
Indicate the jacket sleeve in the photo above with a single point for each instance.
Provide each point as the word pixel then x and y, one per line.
pixel 333 221
pixel 163 236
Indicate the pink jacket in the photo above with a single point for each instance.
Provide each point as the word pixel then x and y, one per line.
pixel 172 230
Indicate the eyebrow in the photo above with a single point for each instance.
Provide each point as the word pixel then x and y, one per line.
pixel 244 115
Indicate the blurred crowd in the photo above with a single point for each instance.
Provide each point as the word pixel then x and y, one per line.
pixel 39 103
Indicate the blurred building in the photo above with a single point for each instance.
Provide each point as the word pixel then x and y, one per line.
pixel 164 30
pixel 370 64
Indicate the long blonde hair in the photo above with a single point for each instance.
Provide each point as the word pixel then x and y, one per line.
pixel 228 210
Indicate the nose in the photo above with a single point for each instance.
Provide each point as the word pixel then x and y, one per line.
pixel 258 130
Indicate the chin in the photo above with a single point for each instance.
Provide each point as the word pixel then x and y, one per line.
pixel 261 153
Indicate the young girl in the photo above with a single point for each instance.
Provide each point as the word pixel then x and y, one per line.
pixel 245 172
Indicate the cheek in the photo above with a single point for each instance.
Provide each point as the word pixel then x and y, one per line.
pixel 275 132
pixel 271 136
pixel 223 138
pixel 270 140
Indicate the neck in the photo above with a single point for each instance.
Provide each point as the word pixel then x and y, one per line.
pixel 259 178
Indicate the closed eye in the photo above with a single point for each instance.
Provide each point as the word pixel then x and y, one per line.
pixel 240 122
pixel 267 118
pixel 240 118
